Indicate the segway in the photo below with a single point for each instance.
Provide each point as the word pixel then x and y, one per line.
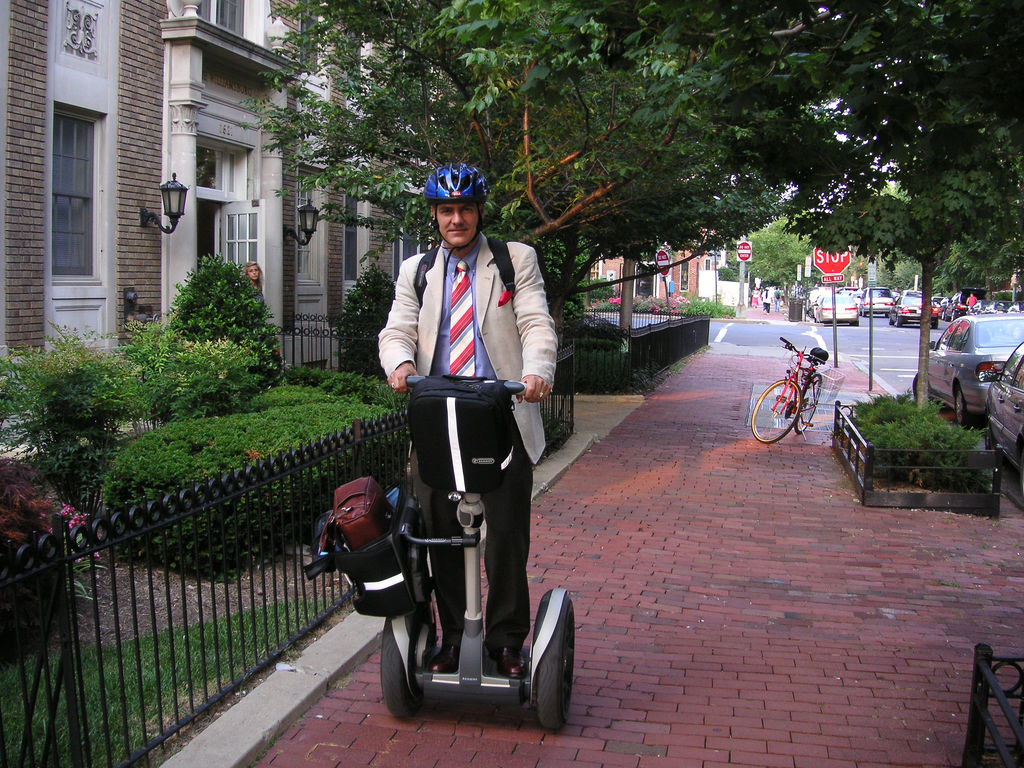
pixel 409 641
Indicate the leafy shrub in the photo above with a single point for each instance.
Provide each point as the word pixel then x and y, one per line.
pixel 71 401
pixel 23 508
pixel 187 452
pixel 23 512
pixel 700 307
pixel 678 305
pixel 364 314
pixel 218 302
pixel 602 365
pixel 182 379
pixel 923 448
pixel 340 383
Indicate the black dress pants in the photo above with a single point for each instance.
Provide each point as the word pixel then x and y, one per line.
pixel 507 514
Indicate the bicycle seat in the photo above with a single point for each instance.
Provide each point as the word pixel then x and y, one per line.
pixel 818 355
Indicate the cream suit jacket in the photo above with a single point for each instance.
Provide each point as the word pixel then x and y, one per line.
pixel 519 337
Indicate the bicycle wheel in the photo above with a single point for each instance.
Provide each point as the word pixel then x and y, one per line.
pixel 775 412
pixel 809 404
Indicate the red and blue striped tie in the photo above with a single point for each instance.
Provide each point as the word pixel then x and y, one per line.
pixel 461 360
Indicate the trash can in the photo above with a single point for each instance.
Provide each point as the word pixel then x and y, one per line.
pixel 796 310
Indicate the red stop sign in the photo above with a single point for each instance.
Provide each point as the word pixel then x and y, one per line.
pixel 831 263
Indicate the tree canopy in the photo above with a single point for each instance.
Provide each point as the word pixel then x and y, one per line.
pixel 610 127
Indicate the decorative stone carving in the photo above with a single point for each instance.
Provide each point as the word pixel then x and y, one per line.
pixel 183 117
pixel 81 29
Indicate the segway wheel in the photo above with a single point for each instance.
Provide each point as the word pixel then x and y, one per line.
pixel 554 675
pixel 402 696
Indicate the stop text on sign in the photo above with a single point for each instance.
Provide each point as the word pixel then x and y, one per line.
pixel 831 263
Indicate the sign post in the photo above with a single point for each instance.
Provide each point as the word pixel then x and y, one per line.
pixel 832 266
pixel 744 251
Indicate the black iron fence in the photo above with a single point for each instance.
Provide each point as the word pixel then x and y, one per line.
pixel 117 635
pixel 996 714
pixel 311 341
pixel 613 362
pixel 109 648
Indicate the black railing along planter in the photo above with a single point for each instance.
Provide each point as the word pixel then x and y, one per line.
pixel 869 467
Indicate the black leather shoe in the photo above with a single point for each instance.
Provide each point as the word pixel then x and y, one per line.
pixel 510 662
pixel 446 660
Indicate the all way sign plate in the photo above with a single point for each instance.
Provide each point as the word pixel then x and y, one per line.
pixel 825 279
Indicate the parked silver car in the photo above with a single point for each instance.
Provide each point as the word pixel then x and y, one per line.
pixel 968 356
pixel 1004 406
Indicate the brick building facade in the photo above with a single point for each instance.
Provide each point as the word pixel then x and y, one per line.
pixel 104 101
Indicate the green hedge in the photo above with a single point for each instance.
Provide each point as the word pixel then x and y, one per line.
pixel 602 366
pixel 187 452
pixel 920 437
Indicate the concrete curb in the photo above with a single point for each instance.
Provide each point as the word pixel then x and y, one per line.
pixel 239 735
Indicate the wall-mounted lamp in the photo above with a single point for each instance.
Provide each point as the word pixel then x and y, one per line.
pixel 309 215
pixel 173 193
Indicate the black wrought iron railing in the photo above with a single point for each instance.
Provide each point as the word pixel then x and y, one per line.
pixel 115 636
pixel 605 363
pixel 996 714
pixel 309 340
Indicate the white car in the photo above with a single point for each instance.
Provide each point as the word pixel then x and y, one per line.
pixel 845 310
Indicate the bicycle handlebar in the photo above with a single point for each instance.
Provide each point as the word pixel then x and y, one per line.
pixel 513 387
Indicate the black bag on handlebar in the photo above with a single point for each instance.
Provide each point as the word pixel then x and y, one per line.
pixel 462 431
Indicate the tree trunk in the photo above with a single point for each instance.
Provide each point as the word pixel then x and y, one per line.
pixel 628 289
pixel 925 336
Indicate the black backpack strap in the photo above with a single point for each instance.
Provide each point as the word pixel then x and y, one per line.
pixel 420 281
pixel 503 260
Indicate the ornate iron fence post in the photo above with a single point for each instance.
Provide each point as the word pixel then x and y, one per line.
pixel 974 742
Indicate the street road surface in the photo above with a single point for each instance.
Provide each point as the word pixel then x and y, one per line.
pixel 892 362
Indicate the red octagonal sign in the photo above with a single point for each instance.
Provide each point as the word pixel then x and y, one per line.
pixel 831 263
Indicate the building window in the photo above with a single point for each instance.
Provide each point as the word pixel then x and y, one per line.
pixel 217 169
pixel 223 13
pixel 351 263
pixel 402 249
pixel 241 240
pixel 71 241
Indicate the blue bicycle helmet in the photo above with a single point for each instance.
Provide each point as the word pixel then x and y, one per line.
pixel 456 182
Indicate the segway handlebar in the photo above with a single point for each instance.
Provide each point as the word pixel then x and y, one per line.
pixel 451 541
pixel 513 387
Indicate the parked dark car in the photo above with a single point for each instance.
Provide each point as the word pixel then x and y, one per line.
pixel 1004 406
pixel 908 310
pixel 958 303
pixel 968 356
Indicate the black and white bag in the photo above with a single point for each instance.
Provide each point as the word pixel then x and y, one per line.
pixel 463 432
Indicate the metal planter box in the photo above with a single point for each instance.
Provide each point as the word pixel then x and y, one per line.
pixel 861 460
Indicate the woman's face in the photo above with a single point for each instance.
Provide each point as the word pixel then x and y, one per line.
pixel 253 272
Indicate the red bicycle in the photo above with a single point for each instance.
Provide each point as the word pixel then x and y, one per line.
pixel 790 403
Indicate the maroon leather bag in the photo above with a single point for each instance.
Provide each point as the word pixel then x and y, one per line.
pixel 360 513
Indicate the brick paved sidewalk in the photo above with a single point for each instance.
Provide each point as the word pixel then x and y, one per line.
pixel 735 606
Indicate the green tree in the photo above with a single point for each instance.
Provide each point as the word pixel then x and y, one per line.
pixel 586 160
pixel 777 254
pixel 217 302
pixel 364 314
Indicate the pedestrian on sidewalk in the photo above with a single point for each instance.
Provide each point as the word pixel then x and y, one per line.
pixel 510 335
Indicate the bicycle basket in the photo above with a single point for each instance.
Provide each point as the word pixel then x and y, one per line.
pixel 831 381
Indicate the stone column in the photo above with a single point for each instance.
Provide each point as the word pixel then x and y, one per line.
pixel 272 180
pixel 184 87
